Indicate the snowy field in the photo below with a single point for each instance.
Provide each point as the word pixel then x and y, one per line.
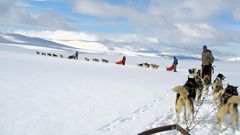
pixel 43 95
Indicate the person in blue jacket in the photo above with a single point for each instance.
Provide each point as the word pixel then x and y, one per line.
pixel 175 63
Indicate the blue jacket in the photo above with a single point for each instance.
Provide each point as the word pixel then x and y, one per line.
pixel 175 61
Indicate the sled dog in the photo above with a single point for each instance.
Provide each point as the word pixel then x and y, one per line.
pixel 140 65
pixel 145 65
pixel 95 59
pixel 54 55
pixel 193 86
pixel 200 83
pixel 154 66
pixel 86 59
pixel 217 87
pixel 104 61
pixel 183 101
pixel 206 82
pixel 229 105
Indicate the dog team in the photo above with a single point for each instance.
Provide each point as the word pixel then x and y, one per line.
pixel 225 98
pixel 75 56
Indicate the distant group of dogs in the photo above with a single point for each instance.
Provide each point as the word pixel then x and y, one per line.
pixel 226 99
pixel 146 65
pixel 96 60
pixel 49 54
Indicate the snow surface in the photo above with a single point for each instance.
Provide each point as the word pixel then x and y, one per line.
pixel 42 95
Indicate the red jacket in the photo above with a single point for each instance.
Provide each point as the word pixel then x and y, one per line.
pixel 122 62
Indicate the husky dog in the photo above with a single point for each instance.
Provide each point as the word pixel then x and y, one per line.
pixel 104 61
pixel 140 65
pixel 192 88
pixel 61 55
pixel 183 101
pixel 145 65
pixel 38 52
pixel 86 59
pixel 54 55
pixel 186 95
pixel 206 82
pixel 219 77
pixel 200 83
pixel 217 87
pixel 194 84
pixel 229 105
pixel 198 73
pixel 154 66
pixel 95 59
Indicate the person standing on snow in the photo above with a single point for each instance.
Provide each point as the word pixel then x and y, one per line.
pixel 76 55
pixel 175 62
pixel 173 67
pixel 123 60
pixel 207 61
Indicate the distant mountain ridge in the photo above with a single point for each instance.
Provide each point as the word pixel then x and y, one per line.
pixel 19 39
pixel 33 41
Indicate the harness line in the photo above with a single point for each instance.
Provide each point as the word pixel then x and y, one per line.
pixel 201 119
pixel 202 101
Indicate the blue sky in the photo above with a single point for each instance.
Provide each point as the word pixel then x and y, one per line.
pixel 174 23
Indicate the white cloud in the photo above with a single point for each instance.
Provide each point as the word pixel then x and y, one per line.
pixel 59 35
pixel 101 8
pixel 20 12
pixel 180 23
pixel 236 13
pixel 199 31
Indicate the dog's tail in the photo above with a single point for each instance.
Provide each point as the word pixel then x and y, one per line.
pixel 181 90
pixel 234 99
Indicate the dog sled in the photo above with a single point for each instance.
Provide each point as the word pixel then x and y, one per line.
pixel 121 62
pixel 71 57
pixel 165 128
pixel 170 68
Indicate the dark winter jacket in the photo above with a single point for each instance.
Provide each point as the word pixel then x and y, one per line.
pixel 76 54
pixel 207 58
pixel 175 61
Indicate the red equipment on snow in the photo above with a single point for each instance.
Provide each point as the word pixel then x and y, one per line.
pixel 122 62
pixel 170 68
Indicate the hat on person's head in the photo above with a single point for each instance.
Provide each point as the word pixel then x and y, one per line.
pixel 204 47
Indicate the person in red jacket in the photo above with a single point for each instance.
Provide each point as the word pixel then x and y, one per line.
pixel 122 62
pixel 173 67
